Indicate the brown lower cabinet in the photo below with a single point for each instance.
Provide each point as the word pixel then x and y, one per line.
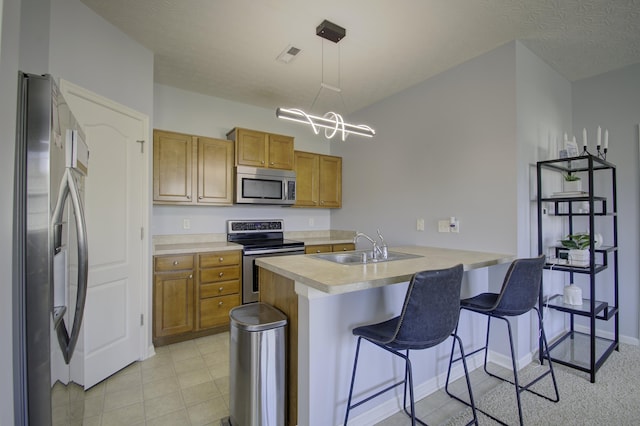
pixel 193 294
pixel 327 248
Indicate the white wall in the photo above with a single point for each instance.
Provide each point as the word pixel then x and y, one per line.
pixel 612 101
pixel 9 57
pixel 543 106
pixel 445 147
pixel 182 111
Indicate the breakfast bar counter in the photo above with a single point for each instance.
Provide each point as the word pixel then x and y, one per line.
pixel 325 300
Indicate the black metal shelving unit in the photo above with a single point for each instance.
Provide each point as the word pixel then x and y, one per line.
pixel 583 351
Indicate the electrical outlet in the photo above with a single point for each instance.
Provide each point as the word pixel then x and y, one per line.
pixel 186 224
pixel 420 225
pixel 455 226
pixel 443 226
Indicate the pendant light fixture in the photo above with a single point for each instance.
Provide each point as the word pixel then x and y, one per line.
pixel 331 123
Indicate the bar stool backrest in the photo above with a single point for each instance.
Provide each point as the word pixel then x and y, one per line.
pixel 521 287
pixel 431 309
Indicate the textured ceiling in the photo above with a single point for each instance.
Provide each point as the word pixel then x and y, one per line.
pixel 228 48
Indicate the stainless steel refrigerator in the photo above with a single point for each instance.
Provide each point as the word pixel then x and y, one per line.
pixel 50 256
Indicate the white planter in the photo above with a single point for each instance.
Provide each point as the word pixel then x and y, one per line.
pixel 572 186
pixel 579 257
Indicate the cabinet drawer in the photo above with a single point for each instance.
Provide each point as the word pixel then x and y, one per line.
pixel 219 289
pixel 173 263
pixel 344 247
pixel 224 273
pixel 223 258
pixel 325 248
pixel 215 310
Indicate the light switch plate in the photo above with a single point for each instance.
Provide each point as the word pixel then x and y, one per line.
pixel 420 225
pixel 443 226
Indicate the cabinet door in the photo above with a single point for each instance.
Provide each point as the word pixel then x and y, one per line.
pixel 172 167
pixel 251 148
pixel 330 181
pixel 215 171
pixel 173 297
pixel 307 173
pixel 318 248
pixel 344 247
pixel 281 152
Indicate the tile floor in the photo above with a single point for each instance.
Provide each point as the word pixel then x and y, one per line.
pixel 188 384
pixel 183 384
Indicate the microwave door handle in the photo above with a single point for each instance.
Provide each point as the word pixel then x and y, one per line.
pixel 285 194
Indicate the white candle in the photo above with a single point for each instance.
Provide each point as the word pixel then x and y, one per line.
pixel 606 139
pixel 584 136
pixel 599 132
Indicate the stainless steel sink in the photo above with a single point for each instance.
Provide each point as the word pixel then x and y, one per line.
pixel 362 256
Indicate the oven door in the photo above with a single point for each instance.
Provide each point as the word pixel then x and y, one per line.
pixel 250 282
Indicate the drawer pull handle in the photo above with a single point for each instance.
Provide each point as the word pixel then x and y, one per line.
pixel 344 249
pixel 220 274
pixel 175 262
pixel 219 303
pixel 318 251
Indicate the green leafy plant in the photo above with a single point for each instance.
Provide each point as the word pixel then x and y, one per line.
pixel 571 178
pixel 579 241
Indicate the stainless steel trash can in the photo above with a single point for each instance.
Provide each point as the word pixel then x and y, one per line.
pixel 257 365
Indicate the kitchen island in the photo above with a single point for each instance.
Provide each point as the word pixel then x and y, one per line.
pixel 325 301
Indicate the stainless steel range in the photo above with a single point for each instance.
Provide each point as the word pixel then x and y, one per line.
pixel 259 238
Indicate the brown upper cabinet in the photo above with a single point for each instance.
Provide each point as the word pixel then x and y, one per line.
pixel 191 169
pixel 260 149
pixel 318 180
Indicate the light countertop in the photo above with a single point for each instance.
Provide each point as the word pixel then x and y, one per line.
pixel 335 278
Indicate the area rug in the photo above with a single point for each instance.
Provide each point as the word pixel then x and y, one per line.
pixel 614 398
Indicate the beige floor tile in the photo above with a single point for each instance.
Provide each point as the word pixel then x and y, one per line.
pixel 160 387
pixel 115 400
pixel 208 412
pixel 223 385
pixel 192 378
pixel 93 406
pixel 219 370
pixel 185 353
pixel 176 418
pixel 126 416
pixel 92 421
pixel 123 381
pixel 162 405
pixel 196 394
pixel 157 373
pixel 190 364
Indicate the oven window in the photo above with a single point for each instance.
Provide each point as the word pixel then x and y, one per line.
pixel 262 188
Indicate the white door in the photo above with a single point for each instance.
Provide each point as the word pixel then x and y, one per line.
pixel 116 200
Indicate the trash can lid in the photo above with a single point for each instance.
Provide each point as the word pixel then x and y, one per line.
pixel 257 317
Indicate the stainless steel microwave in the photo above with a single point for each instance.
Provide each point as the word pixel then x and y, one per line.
pixel 265 186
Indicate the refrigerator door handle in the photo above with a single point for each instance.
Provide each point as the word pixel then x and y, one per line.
pixel 69 188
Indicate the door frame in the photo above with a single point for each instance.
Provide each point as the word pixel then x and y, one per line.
pixel 146 348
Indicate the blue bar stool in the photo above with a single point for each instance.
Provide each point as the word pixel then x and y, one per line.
pixel 429 316
pixel 519 295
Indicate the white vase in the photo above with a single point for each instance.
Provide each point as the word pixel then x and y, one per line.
pixel 579 257
pixel 572 295
pixel 572 186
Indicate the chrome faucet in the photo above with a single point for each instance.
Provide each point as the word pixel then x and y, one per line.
pixel 377 252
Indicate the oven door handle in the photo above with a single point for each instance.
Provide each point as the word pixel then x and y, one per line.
pixel 272 250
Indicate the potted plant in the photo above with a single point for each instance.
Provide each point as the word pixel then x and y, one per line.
pixel 572 183
pixel 578 245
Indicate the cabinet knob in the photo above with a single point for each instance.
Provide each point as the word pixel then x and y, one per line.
pixel 219 303
pixel 188 197
pixel 200 197
pixel 344 249
pixel 190 276
pixel 220 289
pixel 221 259
pixel 262 162
pixel 175 263
pixel 272 163
pixel 322 202
pixel 315 202
pixel 317 250
pixel 221 274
